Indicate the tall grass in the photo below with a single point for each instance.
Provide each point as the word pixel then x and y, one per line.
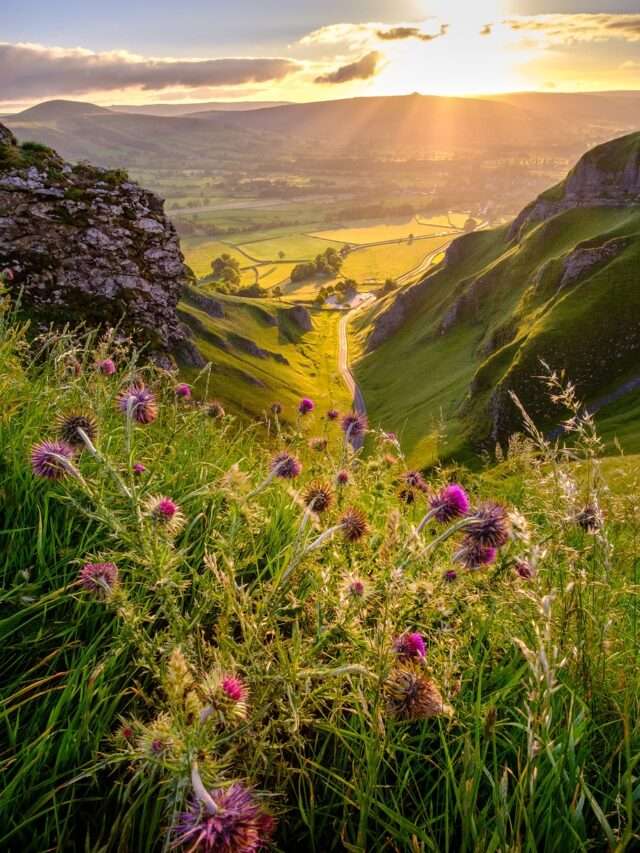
pixel 103 695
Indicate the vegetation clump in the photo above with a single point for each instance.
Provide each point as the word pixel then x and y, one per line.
pixel 228 640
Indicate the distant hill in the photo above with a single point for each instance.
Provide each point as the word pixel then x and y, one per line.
pixel 194 109
pixel 558 284
pixel 60 110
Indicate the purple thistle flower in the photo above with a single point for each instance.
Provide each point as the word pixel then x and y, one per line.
pixel 356 588
pixel 410 646
pixel 52 459
pixel 183 391
pixel 165 513
pixel 286 466
pixel 524 570
pixel 107 366
pixel 450 576
pixel 157 746
pixel 234 688
pixel 306 405
pixel 138 403
pixel 342 477
pixel 239 824
pixel 99 578
pixel 354 425
pixel 138 468
pixel 451 502
pixel 332 415
pixel 415 480
pixel 489 525
pixel 473 554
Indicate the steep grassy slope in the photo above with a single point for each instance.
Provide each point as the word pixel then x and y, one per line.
pixel 559 285
pixel 259 354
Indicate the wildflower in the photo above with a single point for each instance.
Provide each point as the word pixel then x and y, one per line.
pixel 356 588
pixel 68 427
pixel 138 468
pixel 333 415
pixel 353 524
pixel 489 526
pixel 286 466
pixel 234 688
pixel 306 405
pixel 354 425
pixel 410 646
pixel 415 480
pixel 473 554
pixel 450 576
pixel 524 570
pixel 318 444
pixel 99 578
pixel 318 496
pixel 52 459
pixel 412 696
pixel 215 409
pixel 7 274
pixel 139 403
pixel 183 391
pixel 127 732
pixel 165 513
pixel 390 437
pixel 589 518
pixel 157 746
pixel 229 821
pixel 451 502
pixel 276 408
pixel 342 477
pixel 107 366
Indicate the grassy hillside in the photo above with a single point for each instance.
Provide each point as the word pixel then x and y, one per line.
pixel 182 634
pixel 479 326
pixel 291 362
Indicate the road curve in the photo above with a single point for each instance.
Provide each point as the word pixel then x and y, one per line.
pixel 358 404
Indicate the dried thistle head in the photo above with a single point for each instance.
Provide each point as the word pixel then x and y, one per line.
pixel 68 426
pixel 353 524
pixel 410 695
pixel 318 496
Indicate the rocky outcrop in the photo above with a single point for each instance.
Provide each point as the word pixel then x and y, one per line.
pixel 608 175
pixel 586 257
pixel 86 245
pixel 210 306
pixel 251 348
pixel 300 316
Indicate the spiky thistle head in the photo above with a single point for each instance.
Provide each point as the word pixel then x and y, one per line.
pixel 450 576
pixel 52 460
pixel 354 425
pixel 318 496
pixel 525 570
pixel 215 409
pixel 276 408
pixel 99 578
pixel 306 405
pixel 165 513
pixel 353 524
pixel 489 526
pixel 411 695
pixel 286 466
pixel 139 403
pixel 449 503
pixel 415 480
pixel 342 477
pixel 406 495
pixel 107 366
pixel 69 424
pixel 333 415
pixel 410 645
pixel 473 554
pixel 238 825
pixel 138 468
pixel 183 391
pixel 356 588
pixel 590 518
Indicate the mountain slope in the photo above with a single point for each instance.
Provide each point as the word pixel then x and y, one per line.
pixel 559 284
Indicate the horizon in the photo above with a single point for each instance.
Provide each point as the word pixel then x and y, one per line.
pixel 299 53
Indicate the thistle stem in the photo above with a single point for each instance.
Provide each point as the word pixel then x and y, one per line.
pixel 200 791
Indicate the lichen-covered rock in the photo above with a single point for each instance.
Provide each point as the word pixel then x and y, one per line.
pixel 86 245
pixel 300 316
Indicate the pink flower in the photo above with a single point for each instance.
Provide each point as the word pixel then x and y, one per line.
pixel 183 391
pixel 306 405
pixel 234 688
pixel 410 646
pixel 107 366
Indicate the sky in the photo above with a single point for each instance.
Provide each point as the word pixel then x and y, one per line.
pixel 147 51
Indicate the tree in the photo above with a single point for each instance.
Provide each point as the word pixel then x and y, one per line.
pixel 226 269
pixel 281 254
pixel 277 291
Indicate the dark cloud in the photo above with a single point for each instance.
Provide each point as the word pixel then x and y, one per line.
pixel 32 70
pixel 364 68
pixel 397 33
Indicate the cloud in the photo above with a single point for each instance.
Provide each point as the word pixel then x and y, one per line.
pixel 579 27
pixel 486 30
pixel 396 33
pixel 361 69
pixel 32 70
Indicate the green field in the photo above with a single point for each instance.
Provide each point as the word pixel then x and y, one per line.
pixel 296 247
pixel 391 261
pixel 376 232
pixel 200 252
